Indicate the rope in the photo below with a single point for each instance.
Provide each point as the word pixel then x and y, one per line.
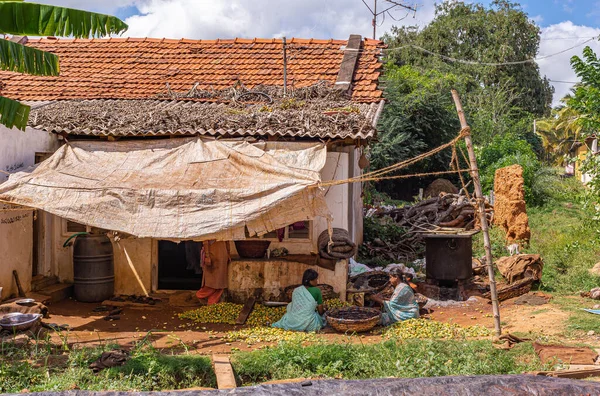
pixel 378 175
pixel 456 165
pixel 336 182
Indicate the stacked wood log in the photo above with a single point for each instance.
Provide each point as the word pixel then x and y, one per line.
pixel 433 214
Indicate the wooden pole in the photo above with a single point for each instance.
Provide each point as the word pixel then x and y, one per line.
pixel 284 66
pixel 375 20
pixel 481 209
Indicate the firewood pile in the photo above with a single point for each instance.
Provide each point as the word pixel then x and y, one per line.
pixel 453 211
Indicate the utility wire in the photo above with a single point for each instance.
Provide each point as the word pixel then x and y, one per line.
pixel 470 62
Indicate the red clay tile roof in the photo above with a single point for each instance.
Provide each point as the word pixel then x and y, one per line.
pixel 130 68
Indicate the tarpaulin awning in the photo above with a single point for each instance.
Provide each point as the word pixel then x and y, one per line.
pixel 177 188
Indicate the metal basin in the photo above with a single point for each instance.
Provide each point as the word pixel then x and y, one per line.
pixel 18 321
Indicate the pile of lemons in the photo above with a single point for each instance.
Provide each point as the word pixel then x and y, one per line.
pixel 257 335
pixel 227 313
pixel 422 328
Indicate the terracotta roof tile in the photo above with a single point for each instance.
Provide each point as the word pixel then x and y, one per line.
pixel 130 68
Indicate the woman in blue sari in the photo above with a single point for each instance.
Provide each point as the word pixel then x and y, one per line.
pixel 305 310
pixel 401 305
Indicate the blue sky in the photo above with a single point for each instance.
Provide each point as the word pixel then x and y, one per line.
pixel 564 23
pixel 580 12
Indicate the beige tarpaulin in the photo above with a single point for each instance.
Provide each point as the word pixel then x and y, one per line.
pixel 177 188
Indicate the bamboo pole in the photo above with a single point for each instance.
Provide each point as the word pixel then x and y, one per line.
pixel 481 210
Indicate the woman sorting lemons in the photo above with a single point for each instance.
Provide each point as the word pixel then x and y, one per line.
pixel 305 310
pixel 401 305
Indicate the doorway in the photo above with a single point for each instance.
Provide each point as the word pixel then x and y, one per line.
pixel 179 265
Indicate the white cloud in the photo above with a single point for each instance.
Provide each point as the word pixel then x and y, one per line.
pixel 558 68
pixel 209 19
pixel 104 6
pixel 537 19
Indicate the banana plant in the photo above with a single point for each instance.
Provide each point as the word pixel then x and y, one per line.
pixel 21 18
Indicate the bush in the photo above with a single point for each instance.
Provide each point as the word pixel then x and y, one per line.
pixel 510 150
pixel 384 229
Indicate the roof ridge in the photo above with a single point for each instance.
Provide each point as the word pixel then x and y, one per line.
pixel 235 40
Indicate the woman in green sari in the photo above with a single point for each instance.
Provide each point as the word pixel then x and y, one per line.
pixel 401 305
pixel 305 310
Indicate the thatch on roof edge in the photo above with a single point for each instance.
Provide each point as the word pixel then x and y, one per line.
pixel 313 112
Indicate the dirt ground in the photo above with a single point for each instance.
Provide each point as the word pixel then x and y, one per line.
pixel 88 328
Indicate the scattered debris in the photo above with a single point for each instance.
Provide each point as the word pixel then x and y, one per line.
pixel 135 299
pixel 509 341
pixel 113 358
pixel 14 306
pixel 515 289
pixel 594 294
pixel 521 266
pixel 55 327
pixel 532 299
pixel 446 210
pixel 575 374
pixel 570 355
pixel 595 270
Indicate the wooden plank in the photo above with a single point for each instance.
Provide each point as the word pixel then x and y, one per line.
pixel 18 282
pixel 224 372
pixel 346 73
pixel 574 374
pixel 248 306
pixel 130 304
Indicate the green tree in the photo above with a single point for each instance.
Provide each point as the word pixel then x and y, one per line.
pixel 586 101
pixel 21 18
pixel 586 97
pixel 500 33
pixel 559 131
pixel 419 116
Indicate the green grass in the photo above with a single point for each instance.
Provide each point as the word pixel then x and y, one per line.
pixel 39 366
pixel 579 321
pixel 564 234
pixel 415 358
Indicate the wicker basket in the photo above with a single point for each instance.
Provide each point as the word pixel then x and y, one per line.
pixel 353 319
pixel 252 248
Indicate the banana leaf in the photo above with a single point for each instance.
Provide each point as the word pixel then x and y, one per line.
pixel 21 18
pixel 13 113
pixel 15 57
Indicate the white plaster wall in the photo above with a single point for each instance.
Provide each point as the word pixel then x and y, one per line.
pixel 336 168
pixel 138 252
pixel 357 202
pixel 17 152
pixel 133 266
pixel 18 148
pixel 16 250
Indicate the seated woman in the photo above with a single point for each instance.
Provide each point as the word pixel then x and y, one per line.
pixel 402 304
pixel 301 313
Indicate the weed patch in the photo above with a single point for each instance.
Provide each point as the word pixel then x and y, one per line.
pixel 33 367
pixel 412 358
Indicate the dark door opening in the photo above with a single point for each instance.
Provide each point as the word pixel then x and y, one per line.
pixel 179 265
